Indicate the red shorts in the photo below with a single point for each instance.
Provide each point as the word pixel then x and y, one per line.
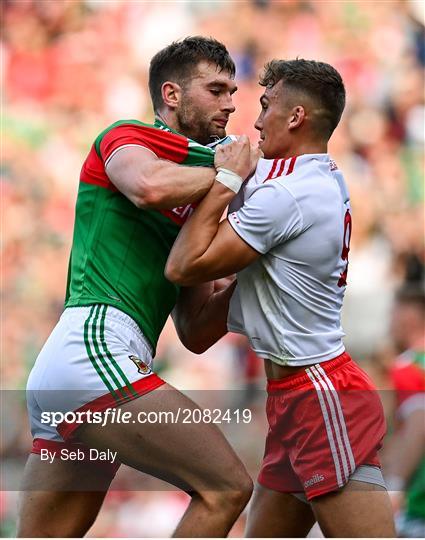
pixel 324 422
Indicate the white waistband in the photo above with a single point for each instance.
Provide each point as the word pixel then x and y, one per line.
pixel 116 315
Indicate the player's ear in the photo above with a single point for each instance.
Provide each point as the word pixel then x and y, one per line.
pixel 171 94
pixel 296 117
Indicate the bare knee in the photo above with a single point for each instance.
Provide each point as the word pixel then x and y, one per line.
pixel 232 497
pixel 240 487
pixel 244 488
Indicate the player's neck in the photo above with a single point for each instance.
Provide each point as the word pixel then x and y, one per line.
pixel 169 120
pixel 306 147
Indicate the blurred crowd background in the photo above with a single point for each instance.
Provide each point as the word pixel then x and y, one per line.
pixel 70 68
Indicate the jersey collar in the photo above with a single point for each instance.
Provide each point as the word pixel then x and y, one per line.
pixel 162 125
pixel 269 169
pixel 159 124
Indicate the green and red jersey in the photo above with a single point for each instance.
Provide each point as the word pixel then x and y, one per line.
pixel 119 251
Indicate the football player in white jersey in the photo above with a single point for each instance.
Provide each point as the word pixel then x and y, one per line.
pixel 287 236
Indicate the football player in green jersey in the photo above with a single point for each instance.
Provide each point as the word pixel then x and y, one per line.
pixel 137 187
pixel 404 454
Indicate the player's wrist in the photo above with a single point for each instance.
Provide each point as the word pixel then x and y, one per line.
pixel 229 178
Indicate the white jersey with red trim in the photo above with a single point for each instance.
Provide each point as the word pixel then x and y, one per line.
pixel 296 213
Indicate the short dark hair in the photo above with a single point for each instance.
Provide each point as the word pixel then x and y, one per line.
pixel 318 80
pixel 177 61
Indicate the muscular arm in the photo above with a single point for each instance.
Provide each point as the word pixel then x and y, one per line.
pixel 406 449
pixel 200 316
pixel 150 182
pixel 205 248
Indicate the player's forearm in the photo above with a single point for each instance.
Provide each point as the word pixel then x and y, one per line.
pixel 167 185
pixel 188 260
pixel 149 182
pixel 211 324
pixel 200 315
pixel 406 451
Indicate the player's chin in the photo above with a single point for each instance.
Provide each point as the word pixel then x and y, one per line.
pixel 265 150
pixel 217 131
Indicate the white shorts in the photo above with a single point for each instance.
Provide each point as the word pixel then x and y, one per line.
pixel 96 358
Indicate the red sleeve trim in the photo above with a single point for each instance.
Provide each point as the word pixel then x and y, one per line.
pixel 93 172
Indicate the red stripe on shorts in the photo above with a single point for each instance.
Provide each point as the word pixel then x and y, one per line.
pixel 107 401
pixel 335 423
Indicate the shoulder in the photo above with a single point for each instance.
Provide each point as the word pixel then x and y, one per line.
pixel 315 181
pixel 163 143
pixel 271 205
pixel 118 127
pixel 406 374
pixel 274 191
pixel 139 131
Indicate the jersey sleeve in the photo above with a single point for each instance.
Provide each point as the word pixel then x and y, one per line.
pixel 409 385
pixel 270 216
pixel 234 316
pixel 163 144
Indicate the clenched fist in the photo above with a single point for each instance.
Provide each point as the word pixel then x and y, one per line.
pixel 239 157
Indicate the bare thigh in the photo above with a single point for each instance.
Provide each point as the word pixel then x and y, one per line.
pixel 63 498
pixel 60 499
pixel 190 456
pixel 272 514
pixel 358 510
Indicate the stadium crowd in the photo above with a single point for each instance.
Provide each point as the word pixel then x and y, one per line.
pixel 71 68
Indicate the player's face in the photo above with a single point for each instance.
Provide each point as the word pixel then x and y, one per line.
pixel 272 123
pixel 206 104
pixel 405 319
